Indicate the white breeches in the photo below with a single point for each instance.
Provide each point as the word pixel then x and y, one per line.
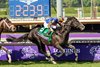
pixel 53 26
pixel 46 25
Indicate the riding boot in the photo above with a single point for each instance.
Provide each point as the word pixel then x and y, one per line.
pixel 49 32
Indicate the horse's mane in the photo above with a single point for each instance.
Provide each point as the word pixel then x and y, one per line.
pixel 69 18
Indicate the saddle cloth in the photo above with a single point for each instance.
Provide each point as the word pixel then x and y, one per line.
pixel 45 33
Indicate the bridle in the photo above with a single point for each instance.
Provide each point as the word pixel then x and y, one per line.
pixel 77 26
pixel 72 23
pixel 68 24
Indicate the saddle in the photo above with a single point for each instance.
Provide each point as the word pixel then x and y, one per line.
pixel 45 32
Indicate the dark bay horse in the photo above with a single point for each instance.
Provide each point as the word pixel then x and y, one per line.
pixel 6 24
pixel 57 40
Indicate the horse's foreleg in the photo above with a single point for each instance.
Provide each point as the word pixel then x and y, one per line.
pixel 59 48
pixel 75 51
pixel 8 53
pixel 51 58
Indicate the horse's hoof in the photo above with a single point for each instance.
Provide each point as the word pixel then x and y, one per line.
pixel 76 59
pixel 9 58
pixel 47 59
pixel 54 62
pixel 9 61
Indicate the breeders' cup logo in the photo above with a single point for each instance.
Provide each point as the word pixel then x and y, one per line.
pixel 28 52
pixel 95 50
pixel 67 51
pixel 2 52
pixel 28 2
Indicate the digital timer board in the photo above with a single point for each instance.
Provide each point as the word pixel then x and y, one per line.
pixel 29 8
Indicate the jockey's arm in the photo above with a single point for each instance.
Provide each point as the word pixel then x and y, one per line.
pixel 60 24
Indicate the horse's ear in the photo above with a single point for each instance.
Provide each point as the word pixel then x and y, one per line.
pixel 73 17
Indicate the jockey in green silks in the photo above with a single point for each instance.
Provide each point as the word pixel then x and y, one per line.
pixel 50 26
pixel 51 23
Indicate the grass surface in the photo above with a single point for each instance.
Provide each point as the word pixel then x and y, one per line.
pixel 3 15
pixel 48 64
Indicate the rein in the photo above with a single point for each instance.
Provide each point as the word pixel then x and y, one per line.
pixel 68 25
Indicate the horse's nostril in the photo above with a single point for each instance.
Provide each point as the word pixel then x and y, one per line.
pixel 13 29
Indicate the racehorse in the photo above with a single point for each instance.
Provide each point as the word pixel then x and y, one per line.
pixel 5 24
pixel 57 39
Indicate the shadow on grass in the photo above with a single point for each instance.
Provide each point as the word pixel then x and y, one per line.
pixel 41 62
pixel 24 62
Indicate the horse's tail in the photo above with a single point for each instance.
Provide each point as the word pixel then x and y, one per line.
pixel 10 38
pixel 37 26
pixel 22 38
pixel 14 39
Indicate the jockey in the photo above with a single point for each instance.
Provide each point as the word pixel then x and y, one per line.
pixel 52 23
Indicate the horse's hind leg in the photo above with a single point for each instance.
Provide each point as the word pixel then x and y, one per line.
pixel 47 53
pixel 8 53
pixel 41 48
pixel 75 51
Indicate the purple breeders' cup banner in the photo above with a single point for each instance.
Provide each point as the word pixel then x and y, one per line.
pixel 3 54
pixel 86 51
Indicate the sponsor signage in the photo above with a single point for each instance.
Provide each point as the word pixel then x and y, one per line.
pixel 29 8
pixel 86 52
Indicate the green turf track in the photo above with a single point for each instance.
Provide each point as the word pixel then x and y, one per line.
pixel 48 64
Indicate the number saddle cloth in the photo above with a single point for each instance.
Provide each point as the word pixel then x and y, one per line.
pixel 45 33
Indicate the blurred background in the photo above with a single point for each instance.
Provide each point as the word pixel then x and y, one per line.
pixel 82 9
pixel 77 8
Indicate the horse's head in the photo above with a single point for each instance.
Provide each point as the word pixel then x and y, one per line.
pixel 73 22
pixel 6 24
